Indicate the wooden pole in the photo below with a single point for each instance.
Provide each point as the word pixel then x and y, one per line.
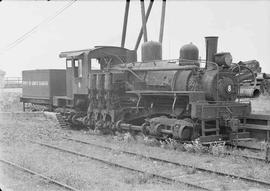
pixel 124 31
pixel 162 21
pixel 141 31
pixel 143 21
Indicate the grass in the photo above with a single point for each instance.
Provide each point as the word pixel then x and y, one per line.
pixel 10 101
pixel 130 141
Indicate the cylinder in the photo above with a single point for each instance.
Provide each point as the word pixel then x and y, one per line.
pixel 211 47
pixel 266 76
pixel 189 52
pixel 108 81
pixel 92 81
pixel 246 76
pixel 261 76
pixel 100 82
pixel 249 92
pixel 254 65
pixel 223 59
pixel 151 51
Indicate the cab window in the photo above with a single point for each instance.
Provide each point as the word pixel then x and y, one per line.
pixel 95 64
pixel 69 63
pixel 80 69
pixel 76 66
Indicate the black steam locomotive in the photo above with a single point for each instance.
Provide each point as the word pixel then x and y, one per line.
pixel 106 89
pixel 184 98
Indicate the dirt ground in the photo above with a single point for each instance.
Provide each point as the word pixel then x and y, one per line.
pixel 75 171
pixel 17 129
pixel 84 174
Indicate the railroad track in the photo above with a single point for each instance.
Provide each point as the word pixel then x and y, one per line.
pixel 52 181
pixel 255 150
pixel 191 180
pixel 261 182
pixel 65 124
pixel 107 162
pixel 256 158
pixel 250 157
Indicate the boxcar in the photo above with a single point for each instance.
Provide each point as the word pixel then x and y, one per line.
pixel 40 86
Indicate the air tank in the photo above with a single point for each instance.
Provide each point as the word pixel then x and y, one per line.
pixel 189 52
pixel 151 51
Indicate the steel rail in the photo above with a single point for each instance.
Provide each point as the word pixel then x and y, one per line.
pixel 253 180
pixel 38 174
pixel 248 157
pixel 245 147
pixel 227 153
pixel 161 177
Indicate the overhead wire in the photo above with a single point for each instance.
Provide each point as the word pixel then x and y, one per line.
pixel 35 28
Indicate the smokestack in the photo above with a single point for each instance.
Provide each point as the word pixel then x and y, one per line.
pixel 211 47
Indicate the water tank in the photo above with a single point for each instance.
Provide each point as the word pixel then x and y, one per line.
pixel 151 51
pixel 189 52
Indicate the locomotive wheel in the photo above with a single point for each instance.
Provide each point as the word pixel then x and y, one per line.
pixel 184 133
pixel 144 129
pixel 157 129
pixel 91 121
pixel 69 117
pixel 99 125
pixel 116 127
pixel 73 119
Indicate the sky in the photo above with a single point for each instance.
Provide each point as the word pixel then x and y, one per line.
pixel 243 28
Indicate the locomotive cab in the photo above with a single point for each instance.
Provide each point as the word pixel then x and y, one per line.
pixel 81 66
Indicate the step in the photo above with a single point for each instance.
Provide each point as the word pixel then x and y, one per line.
pixel 244 139
pixel 210 138
pixel 211 130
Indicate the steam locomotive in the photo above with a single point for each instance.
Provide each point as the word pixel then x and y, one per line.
pixel 184 99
